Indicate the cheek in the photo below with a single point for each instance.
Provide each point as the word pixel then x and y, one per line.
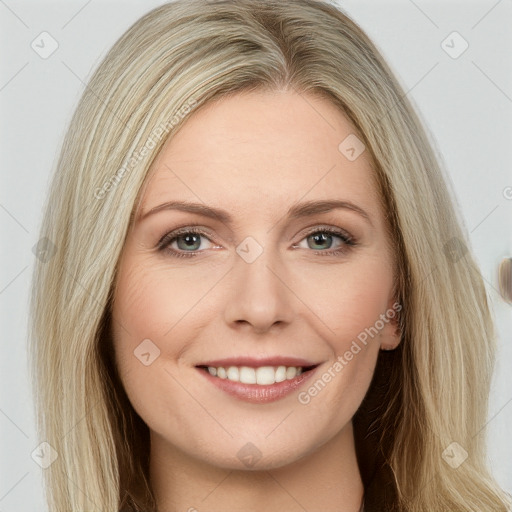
pixel 138 306
pixel 148 307
pixel 157 310
pixel 142 310
pixel 347 299
pixel 151 301
pixel 349 309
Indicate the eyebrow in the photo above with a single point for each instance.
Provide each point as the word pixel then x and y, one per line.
pixel 296 211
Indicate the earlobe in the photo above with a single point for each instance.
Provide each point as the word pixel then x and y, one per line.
pixel 388 348
pixel 391 346
pixel 393 337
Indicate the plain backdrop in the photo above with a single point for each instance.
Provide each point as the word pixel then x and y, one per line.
pixel 464 98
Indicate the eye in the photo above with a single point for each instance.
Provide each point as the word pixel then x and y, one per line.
pixel 323 238
pixel 188 242
pixel 184 243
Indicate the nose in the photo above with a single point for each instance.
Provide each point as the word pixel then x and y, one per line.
pixel 260 294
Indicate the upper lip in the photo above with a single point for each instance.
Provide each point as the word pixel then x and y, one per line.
pixel 259 361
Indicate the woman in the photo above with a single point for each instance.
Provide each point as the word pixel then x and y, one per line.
pixel 195 345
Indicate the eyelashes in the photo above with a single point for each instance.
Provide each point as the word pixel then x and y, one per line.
pixel 192 236
pixel 347 240
pixel 168 239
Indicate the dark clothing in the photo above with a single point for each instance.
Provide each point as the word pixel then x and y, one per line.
pixel 380 493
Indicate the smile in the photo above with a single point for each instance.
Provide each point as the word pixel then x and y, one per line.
pixel 257 385
pixel 263 375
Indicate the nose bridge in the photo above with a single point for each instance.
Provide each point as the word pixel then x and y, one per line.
pixel 254 264
pixel 258 295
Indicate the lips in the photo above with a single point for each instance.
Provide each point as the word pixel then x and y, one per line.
pixel 255 362
pixel 258 380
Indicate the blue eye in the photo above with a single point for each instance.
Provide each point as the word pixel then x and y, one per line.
pixel 188 242
pixel 325 236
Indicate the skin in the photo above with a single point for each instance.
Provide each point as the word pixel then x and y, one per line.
pixel 254 155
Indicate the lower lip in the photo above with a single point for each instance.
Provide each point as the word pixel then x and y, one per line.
pixel 256 393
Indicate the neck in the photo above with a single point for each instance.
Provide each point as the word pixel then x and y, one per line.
pixel 327 479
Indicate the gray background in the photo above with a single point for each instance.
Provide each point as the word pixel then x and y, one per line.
pixel 466 103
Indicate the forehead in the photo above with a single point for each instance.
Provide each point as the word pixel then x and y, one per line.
pixel 262 151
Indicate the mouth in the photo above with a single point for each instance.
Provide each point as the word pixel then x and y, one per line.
pixel 261 375
pixel 257 384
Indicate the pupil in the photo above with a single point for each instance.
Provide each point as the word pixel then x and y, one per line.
pixel 189 240
pixel 322 237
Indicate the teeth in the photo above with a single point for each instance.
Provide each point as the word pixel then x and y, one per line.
pixel 264 375
pixel 233 373
pixel 281 373
pixel 291 372
pixel 247 375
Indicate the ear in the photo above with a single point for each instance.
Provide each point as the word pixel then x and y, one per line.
pixel 391 334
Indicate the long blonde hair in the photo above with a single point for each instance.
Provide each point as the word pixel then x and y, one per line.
pixel 172 61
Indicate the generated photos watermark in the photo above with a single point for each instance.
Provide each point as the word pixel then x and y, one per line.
pixel 138 155
pixel 305 397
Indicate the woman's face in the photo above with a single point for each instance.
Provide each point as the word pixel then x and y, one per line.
pixel 270 279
